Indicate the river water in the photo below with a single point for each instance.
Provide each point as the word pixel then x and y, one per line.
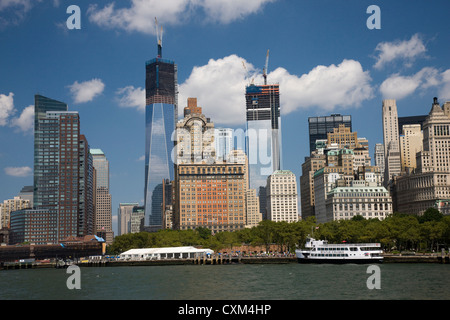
pixel 232 282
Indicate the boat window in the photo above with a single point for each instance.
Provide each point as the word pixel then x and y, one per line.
pixel 353 249
pixel 370 248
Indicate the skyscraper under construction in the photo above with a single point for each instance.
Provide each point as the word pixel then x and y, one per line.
pixel 263 142
pixel 160 119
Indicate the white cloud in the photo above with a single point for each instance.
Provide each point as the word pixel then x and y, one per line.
pixel 6 108
pixel 407 50
pixel 140 16
pixel 326 87
pixel 18 171
pixel 86 91
pixel 25 122
pixel 398 86
pixel 131 97
pixel 219 87
pixel 14 11
pixel 226 11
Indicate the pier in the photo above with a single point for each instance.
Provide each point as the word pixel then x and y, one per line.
pixel 221 260
pixel 215 259
pixel 26 265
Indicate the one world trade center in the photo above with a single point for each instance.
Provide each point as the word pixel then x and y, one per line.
pixel 160 120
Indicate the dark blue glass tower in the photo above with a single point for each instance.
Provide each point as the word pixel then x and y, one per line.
pixel 160 120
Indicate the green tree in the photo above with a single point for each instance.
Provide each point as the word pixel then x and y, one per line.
pixel 227 239
pixel 376 231
pixel 264 233
pixel 204 233
pixel 433 232
pixel 431 214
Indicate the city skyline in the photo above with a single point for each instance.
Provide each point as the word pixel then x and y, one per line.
pixel 340 66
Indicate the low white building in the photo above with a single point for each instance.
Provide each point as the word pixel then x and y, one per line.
pixel 370 202
pixel 164 253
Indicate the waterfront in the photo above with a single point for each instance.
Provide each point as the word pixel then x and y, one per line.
pixel 231 282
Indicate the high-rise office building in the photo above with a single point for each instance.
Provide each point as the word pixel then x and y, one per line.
pixel 411 120
pixel 282 196
pixel 160 120
pixel 86 213
pixel 124 213
pixel 137 219
pixel 435 155
pixel 210 196
pixel 309 167
pixel 343 137
pixel 63 177
pixel 342 152
pixel 379 156
pixel 41 106
pixel 319 127
pixel 9 206
pixel 103 207
pixel 57 188
pixel 391 140
pixel 224 142
pixel 195 136
pixel 429 185
pixel 254 216
pixel 411 141
pixel 263 140
pixel 27 193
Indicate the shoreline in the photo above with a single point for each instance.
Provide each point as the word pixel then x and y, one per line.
pixel 215 260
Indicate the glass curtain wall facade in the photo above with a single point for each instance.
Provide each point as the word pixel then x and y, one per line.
pixel 41 106
pixel 224 142
pixel 319 127
pixel 160 119
pixel 263 139
pixel 103 207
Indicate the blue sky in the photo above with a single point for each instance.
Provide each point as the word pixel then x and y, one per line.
pixel 322 53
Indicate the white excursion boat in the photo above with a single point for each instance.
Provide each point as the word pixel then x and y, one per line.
pixel 319 251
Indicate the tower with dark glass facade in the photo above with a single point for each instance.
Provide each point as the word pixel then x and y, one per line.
pixel 160 118
pixel 319 127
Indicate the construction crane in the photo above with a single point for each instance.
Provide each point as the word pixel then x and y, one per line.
pixel 246 72
pixel 159 36
pixel 266 67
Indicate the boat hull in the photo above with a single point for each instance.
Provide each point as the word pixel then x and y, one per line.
pixel 339 261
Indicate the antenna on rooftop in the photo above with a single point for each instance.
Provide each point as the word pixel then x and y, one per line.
pixel 159 36
pixel 266 67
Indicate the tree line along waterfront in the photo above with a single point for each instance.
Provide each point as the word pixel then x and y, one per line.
pixel 398 232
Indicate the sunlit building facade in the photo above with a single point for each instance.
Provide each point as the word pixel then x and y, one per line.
pixel 282 196
pixel 103 207
pixel 210 196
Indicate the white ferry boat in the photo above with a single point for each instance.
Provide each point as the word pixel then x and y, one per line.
pixel 319 251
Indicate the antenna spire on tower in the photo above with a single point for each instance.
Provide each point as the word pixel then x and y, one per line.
pixel 266 67
pixel 159 36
